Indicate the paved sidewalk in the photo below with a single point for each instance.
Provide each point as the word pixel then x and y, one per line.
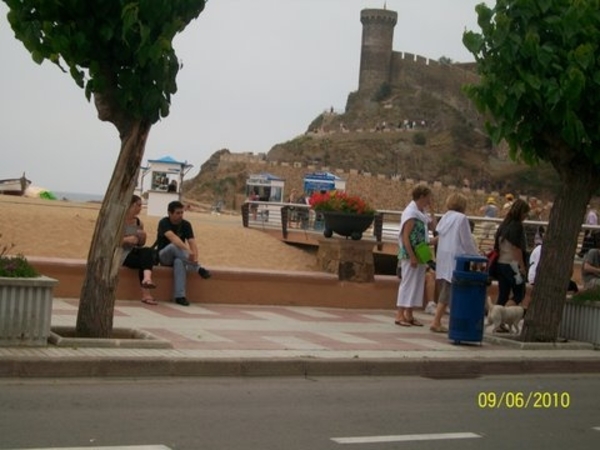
pixel 231 340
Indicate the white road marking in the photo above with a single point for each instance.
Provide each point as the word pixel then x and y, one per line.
pixel 118 447
pixel 596 428
pixel 404 438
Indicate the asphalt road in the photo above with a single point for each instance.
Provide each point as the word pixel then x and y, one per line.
pixel 545 412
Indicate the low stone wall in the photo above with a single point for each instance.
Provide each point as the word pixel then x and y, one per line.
pixel 350 260
pixel 237 286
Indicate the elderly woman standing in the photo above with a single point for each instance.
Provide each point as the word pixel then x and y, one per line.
pixel 413 231
pixel 454 238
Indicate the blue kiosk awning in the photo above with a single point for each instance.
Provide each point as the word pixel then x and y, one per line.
pixel 322 181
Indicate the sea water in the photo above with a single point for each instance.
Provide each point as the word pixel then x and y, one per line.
pixel 78 196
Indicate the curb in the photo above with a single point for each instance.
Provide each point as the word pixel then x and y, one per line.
pixel 142 367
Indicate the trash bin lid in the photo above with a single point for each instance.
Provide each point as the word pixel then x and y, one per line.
pixel 463 262
pixel 477 277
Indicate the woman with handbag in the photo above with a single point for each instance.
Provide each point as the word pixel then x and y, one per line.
pixel 414 235
pixel 511 267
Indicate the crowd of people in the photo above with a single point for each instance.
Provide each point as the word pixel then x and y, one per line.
pixel 421 278
pixel 518 247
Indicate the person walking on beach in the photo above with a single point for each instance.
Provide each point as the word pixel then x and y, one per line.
pixel 413 231
pixel 135 255
pixel 177 248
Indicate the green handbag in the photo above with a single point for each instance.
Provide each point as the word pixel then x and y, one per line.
pixel 423 252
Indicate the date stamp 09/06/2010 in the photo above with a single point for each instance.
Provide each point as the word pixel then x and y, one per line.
pixel 523 400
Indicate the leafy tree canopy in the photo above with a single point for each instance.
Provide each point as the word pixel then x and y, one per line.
pixel 118 48
pixel 540 78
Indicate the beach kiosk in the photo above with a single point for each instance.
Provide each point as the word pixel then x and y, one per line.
pixel 322 181
pixel 166 179
pixel 264 187
pixel 269 187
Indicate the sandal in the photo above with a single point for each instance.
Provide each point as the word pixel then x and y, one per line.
pixel 440 329
pixel 414 322
pixel 148 285
pixel 149 301
pixel 402 323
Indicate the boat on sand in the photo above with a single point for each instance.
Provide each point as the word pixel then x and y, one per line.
pixel 14 186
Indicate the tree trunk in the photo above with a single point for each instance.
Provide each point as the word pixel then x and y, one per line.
pixel 556 264
pixel 97 302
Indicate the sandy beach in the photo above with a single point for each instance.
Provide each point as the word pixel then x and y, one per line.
pixel 63 229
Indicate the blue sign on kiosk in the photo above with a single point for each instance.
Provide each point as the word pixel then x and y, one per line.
pixel 468 299
pixel 322 181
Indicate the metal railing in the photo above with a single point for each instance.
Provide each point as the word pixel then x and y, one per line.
pixel 385 228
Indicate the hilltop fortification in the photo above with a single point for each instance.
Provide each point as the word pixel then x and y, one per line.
pixel 408 120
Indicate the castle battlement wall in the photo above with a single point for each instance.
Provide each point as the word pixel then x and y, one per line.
pixel 381 64
pixel 433 77
pixel 384 191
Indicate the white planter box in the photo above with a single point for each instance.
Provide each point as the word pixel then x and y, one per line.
pixel 25 311
pixel 581 322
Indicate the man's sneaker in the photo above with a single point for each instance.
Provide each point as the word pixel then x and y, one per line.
pixel 430 308
pixel 182 301
pixel 203 272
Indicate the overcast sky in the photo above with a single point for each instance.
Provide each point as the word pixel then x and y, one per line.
pixel 255 73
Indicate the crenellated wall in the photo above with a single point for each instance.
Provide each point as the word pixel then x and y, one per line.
pixel 381 64
pixel 382 191
pixel 436 78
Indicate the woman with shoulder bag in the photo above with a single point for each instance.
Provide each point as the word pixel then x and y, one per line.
pixel 413 233
pixel 511 267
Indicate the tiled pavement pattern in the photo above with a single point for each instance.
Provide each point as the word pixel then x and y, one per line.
pixel 233 340
pixel 267 328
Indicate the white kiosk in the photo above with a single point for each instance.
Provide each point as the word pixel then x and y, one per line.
pixel 264 187
pixel 166 178
pixel 268 187
pixel 322 181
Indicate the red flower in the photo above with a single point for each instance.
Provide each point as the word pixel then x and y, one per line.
pixel 341 202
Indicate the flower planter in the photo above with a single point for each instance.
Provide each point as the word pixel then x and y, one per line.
pixel 25 311
pixel 581 322
pixel 346 224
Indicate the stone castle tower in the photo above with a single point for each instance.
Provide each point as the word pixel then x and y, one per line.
pixel 376 49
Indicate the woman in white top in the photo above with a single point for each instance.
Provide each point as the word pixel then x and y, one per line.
pixel 413 231
pixel 454 238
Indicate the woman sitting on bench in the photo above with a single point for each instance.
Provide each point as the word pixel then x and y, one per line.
pixel 135 255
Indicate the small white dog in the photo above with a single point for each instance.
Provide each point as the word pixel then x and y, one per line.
pixel 504 315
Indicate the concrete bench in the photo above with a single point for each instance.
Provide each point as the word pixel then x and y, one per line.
pixel 236 286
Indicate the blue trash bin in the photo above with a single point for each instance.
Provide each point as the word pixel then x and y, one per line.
pixel 468 299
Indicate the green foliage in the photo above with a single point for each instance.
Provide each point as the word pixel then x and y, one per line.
pixel 316 123
pixel 122 49
pixel 445 60
pixel 462 134
pixel 419 139
pixel 384 92
pixel 14 266
pixel 540 78
pixel 587 295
